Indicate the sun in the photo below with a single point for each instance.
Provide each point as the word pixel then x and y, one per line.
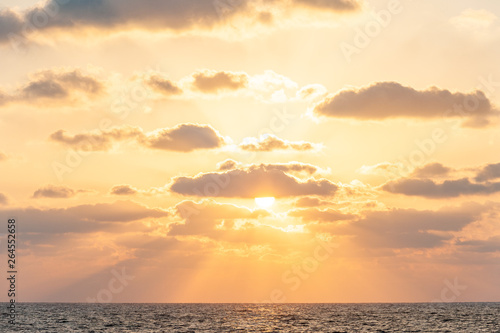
pixel 264 202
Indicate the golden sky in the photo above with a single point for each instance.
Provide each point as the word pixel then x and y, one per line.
pixel 136 135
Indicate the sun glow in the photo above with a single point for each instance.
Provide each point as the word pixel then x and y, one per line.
pixel 264 202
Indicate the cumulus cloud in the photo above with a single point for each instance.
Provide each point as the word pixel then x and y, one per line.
pixel 448 189
pixel 431 170
pixel 53 86
pixel 128 190
pixel 82 218
pixel 228 164
pixel 123 190
pixel 217 81
pixel 175 16
pixel 181 138
pixel 387 100
pixel 269 142
pixel 56 192
pixel 253 181
pixel 163 85
pixel 489 172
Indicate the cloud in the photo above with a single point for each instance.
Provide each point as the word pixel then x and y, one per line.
pixel 314 214
pixel 74 16
pixel 56 192
pixel 489 172
pixel 128 190
pixel 389 100
pixel 384 169
pixel 181 138
pixel 448 189
pixel 214 82
pixel 185 138
pixel 163 85
pixel 335 5
pixel 491 244
pixel 228 164
pixel 431 170
pixel 269 142
pixel 55 85
pixel 82 218
pixel 404 228
pixel 202 218
pixel 98 140
pixel 123 190
pixel 3 199
pixel 311 92
pixel 410 228
pixel 310 202
pixel 253 181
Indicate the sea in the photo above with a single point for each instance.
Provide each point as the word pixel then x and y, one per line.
pixel 415 317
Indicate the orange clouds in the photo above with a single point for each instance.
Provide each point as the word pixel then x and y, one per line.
pixel 252 181
pixel 388 100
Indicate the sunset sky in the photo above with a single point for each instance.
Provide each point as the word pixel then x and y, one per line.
pixel 136 135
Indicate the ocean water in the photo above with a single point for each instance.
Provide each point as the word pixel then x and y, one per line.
pixel 422 317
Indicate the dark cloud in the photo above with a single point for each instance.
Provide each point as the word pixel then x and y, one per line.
pixel 431 170
pixel 492 244
pixel 73 16
pixel 123 190
pixel 56 192
pixel 253 181
pixel 386 100
pixel 447 189
pixel 314 214
pixel 181 138
pixel 489 172
pixel 185 138
pixel 215 82
pixel 163 85
pixel 335 5
pixel 83 218
pixel 270 142
pixel 55 85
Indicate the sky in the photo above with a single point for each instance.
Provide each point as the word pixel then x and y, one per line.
pixel 136 137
